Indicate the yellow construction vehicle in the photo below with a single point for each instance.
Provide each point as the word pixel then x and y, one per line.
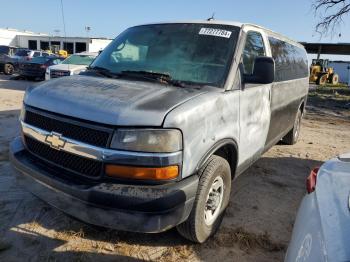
pixel 62 53
pixel 321 73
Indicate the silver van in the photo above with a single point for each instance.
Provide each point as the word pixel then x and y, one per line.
pixel 153 133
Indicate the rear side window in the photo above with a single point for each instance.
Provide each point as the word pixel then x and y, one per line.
pixel 22 53
pixel 4 50
pixel 290 60
pixel 36 54
pixel 254 47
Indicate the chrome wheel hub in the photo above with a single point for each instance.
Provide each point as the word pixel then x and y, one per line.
pixel 214 201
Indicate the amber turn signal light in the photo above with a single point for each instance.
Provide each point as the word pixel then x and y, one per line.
pixel 142 173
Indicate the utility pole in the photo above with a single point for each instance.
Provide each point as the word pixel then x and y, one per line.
pixel 348 67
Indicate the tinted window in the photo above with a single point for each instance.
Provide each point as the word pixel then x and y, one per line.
pixel 4 49
pixel 254 47
pixel 22 53
pixel 36 54
pixel 39 60
pixel 290 60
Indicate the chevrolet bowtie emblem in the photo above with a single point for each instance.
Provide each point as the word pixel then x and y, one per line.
pixel 55 140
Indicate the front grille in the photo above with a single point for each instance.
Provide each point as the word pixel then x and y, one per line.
pixel 77 164
pixel 59 73
pixel 76 131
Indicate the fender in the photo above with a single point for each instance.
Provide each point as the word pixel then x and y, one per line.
pixel 215 147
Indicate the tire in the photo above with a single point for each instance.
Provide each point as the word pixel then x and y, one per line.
pixel 9 69
pixel 322 80
pixel 292 137
pixel 200 224
pixel 335 79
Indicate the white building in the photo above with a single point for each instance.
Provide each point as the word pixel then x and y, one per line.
pixel 8 36
pixel 342 68
pixel 39 41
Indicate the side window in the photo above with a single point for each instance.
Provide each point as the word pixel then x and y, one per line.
pixel 290 60
pixel 36 54
pixel 254 47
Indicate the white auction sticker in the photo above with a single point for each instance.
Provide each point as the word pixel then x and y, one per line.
pixel 215 32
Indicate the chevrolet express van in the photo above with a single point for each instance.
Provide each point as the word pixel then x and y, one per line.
pixel 154 132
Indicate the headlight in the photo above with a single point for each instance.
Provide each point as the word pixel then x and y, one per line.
pixel 22 113
pixel 147 140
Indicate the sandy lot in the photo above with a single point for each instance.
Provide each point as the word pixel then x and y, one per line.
pixel 257 226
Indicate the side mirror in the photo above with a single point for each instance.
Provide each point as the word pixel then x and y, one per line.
pixel 264 71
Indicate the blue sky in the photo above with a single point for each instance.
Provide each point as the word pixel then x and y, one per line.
pixel 108 18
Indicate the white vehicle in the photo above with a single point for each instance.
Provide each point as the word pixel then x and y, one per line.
pixel 26 55
pixel 322 227
pixel 73 65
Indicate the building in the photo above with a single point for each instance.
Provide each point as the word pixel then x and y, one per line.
pixel 342 68
pixel 39 41
pixel 8 36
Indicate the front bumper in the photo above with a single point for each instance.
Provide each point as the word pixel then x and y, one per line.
pixel 137 208
pixel 31 73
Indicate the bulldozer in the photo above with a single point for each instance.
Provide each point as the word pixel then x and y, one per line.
pixel 321 73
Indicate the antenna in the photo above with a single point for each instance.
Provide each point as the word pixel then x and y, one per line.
pixel 212 17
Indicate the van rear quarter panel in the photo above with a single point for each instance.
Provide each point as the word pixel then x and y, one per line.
pixel 204 121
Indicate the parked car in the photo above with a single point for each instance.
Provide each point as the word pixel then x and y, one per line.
pixel 36 67
pixel 322 226
pixel 151 135
pixel 10 57
pixel 30 54
pixel 73 65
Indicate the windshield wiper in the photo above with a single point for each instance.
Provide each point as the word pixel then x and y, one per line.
pixel 103 71
pixel 153 76
pixel 162 78
pixel 148 75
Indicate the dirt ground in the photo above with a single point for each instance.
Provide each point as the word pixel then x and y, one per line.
pixel 257 225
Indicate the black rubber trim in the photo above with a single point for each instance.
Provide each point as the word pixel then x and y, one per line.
pixel 143 198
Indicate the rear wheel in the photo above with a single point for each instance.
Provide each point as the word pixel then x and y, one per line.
pixel 8 69
pixel 212 198
pixel 292 137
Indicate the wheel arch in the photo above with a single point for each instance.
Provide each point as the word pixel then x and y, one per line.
pixel 302 105
pixel 226 148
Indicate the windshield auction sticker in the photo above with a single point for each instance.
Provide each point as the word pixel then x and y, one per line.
pixel 215 32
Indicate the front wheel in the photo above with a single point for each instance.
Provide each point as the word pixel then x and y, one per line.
pixel 211 200
pixel 8 69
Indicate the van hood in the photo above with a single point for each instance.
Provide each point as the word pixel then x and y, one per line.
pixel 109 101
pixel 68 67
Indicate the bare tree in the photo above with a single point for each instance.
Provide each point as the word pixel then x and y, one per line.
pixel 331 14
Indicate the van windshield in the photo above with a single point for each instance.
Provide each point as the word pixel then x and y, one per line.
pixel 197 53
pixel 79 60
